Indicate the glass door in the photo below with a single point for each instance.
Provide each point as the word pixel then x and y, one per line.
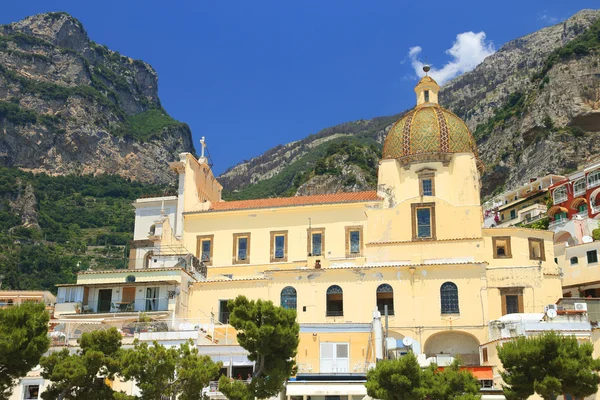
pixel 152 299
pixel 104 300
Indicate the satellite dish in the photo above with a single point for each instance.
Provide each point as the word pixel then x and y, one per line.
pixel 551 313
pixel 587 239
pixel 130 279
pixel 407 341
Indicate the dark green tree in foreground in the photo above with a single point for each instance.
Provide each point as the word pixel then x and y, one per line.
pixel 453 383
pixel 404 379
pixel 82 375
pixel 172 372
pixel 549 365
pixel 23 340
pixel 271 335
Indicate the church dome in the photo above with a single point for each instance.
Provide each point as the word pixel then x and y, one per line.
pixel 428 131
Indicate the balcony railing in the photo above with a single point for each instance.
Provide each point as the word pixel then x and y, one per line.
pixel 334 313
pixel 110 306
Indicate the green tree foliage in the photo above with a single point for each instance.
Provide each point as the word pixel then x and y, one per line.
pixel 82 375
pixel 400 379
pixel 172 372
pixel 23 340
pixel 403 379
pixel 453 383
pixel 73 212
pixel 549 365
pixel 271 335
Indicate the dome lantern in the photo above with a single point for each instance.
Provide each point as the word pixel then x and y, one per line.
pixel 427 90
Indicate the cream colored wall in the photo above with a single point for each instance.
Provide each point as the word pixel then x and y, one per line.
pixel 223 225
pixel 416 297
pixel 582 272
pixel 457 183
pixel 200 184
pixel 309 349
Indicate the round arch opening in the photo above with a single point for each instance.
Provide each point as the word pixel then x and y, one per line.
pixel 454 344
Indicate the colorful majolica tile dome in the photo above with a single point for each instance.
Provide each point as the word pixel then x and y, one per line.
pixel 428 129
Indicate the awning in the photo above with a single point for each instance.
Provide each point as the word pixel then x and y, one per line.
pixel 480 373
pixel 238 361
pixel 326 389
pixel 555 210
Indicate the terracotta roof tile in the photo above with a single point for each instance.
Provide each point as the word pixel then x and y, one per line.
pixel 353 197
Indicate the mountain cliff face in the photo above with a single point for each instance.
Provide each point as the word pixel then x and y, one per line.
pixel 533 107
pixel 69 105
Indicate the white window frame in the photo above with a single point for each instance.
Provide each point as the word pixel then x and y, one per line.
pixel 560 195
pixel 596 179
pixel 581 190
pixel 70 294
pixel 334 364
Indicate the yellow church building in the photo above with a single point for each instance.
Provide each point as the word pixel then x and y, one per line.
pixel 408 267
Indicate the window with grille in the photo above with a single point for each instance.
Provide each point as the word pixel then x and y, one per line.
pixel 427 186
pixel 385 297
pixel 512 300
pixel 334 301
pixel 334 358
pixel 289 298
pixel 449 298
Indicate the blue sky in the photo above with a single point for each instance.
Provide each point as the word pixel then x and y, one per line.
pixel 249 75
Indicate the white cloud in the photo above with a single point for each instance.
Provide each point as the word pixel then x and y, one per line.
pixel 466 53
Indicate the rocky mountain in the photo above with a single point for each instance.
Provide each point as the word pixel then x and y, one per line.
pixel 71 106
pixel 534 107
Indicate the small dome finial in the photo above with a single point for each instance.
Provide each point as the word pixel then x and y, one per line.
pixel 426 68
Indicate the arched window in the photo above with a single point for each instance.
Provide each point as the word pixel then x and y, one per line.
pixel 594 179
pixel 574 261
pixel 449 296
pixel 335 301
pixel 385 297
pixel 579 187
pixel 560 195
pixel 289 298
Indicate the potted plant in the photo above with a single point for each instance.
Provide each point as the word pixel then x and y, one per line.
pixel 77 308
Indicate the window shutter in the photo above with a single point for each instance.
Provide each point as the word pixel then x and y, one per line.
pixel 503 304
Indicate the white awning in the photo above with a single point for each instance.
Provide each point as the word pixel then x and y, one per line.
pixel 326 389
pixel 238 361
pixel 493 397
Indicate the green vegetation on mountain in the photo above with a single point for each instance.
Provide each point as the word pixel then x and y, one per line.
pixel 513 107
pixel 320 160
pixel 582 45
pixel 147 125
pixel 73 223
